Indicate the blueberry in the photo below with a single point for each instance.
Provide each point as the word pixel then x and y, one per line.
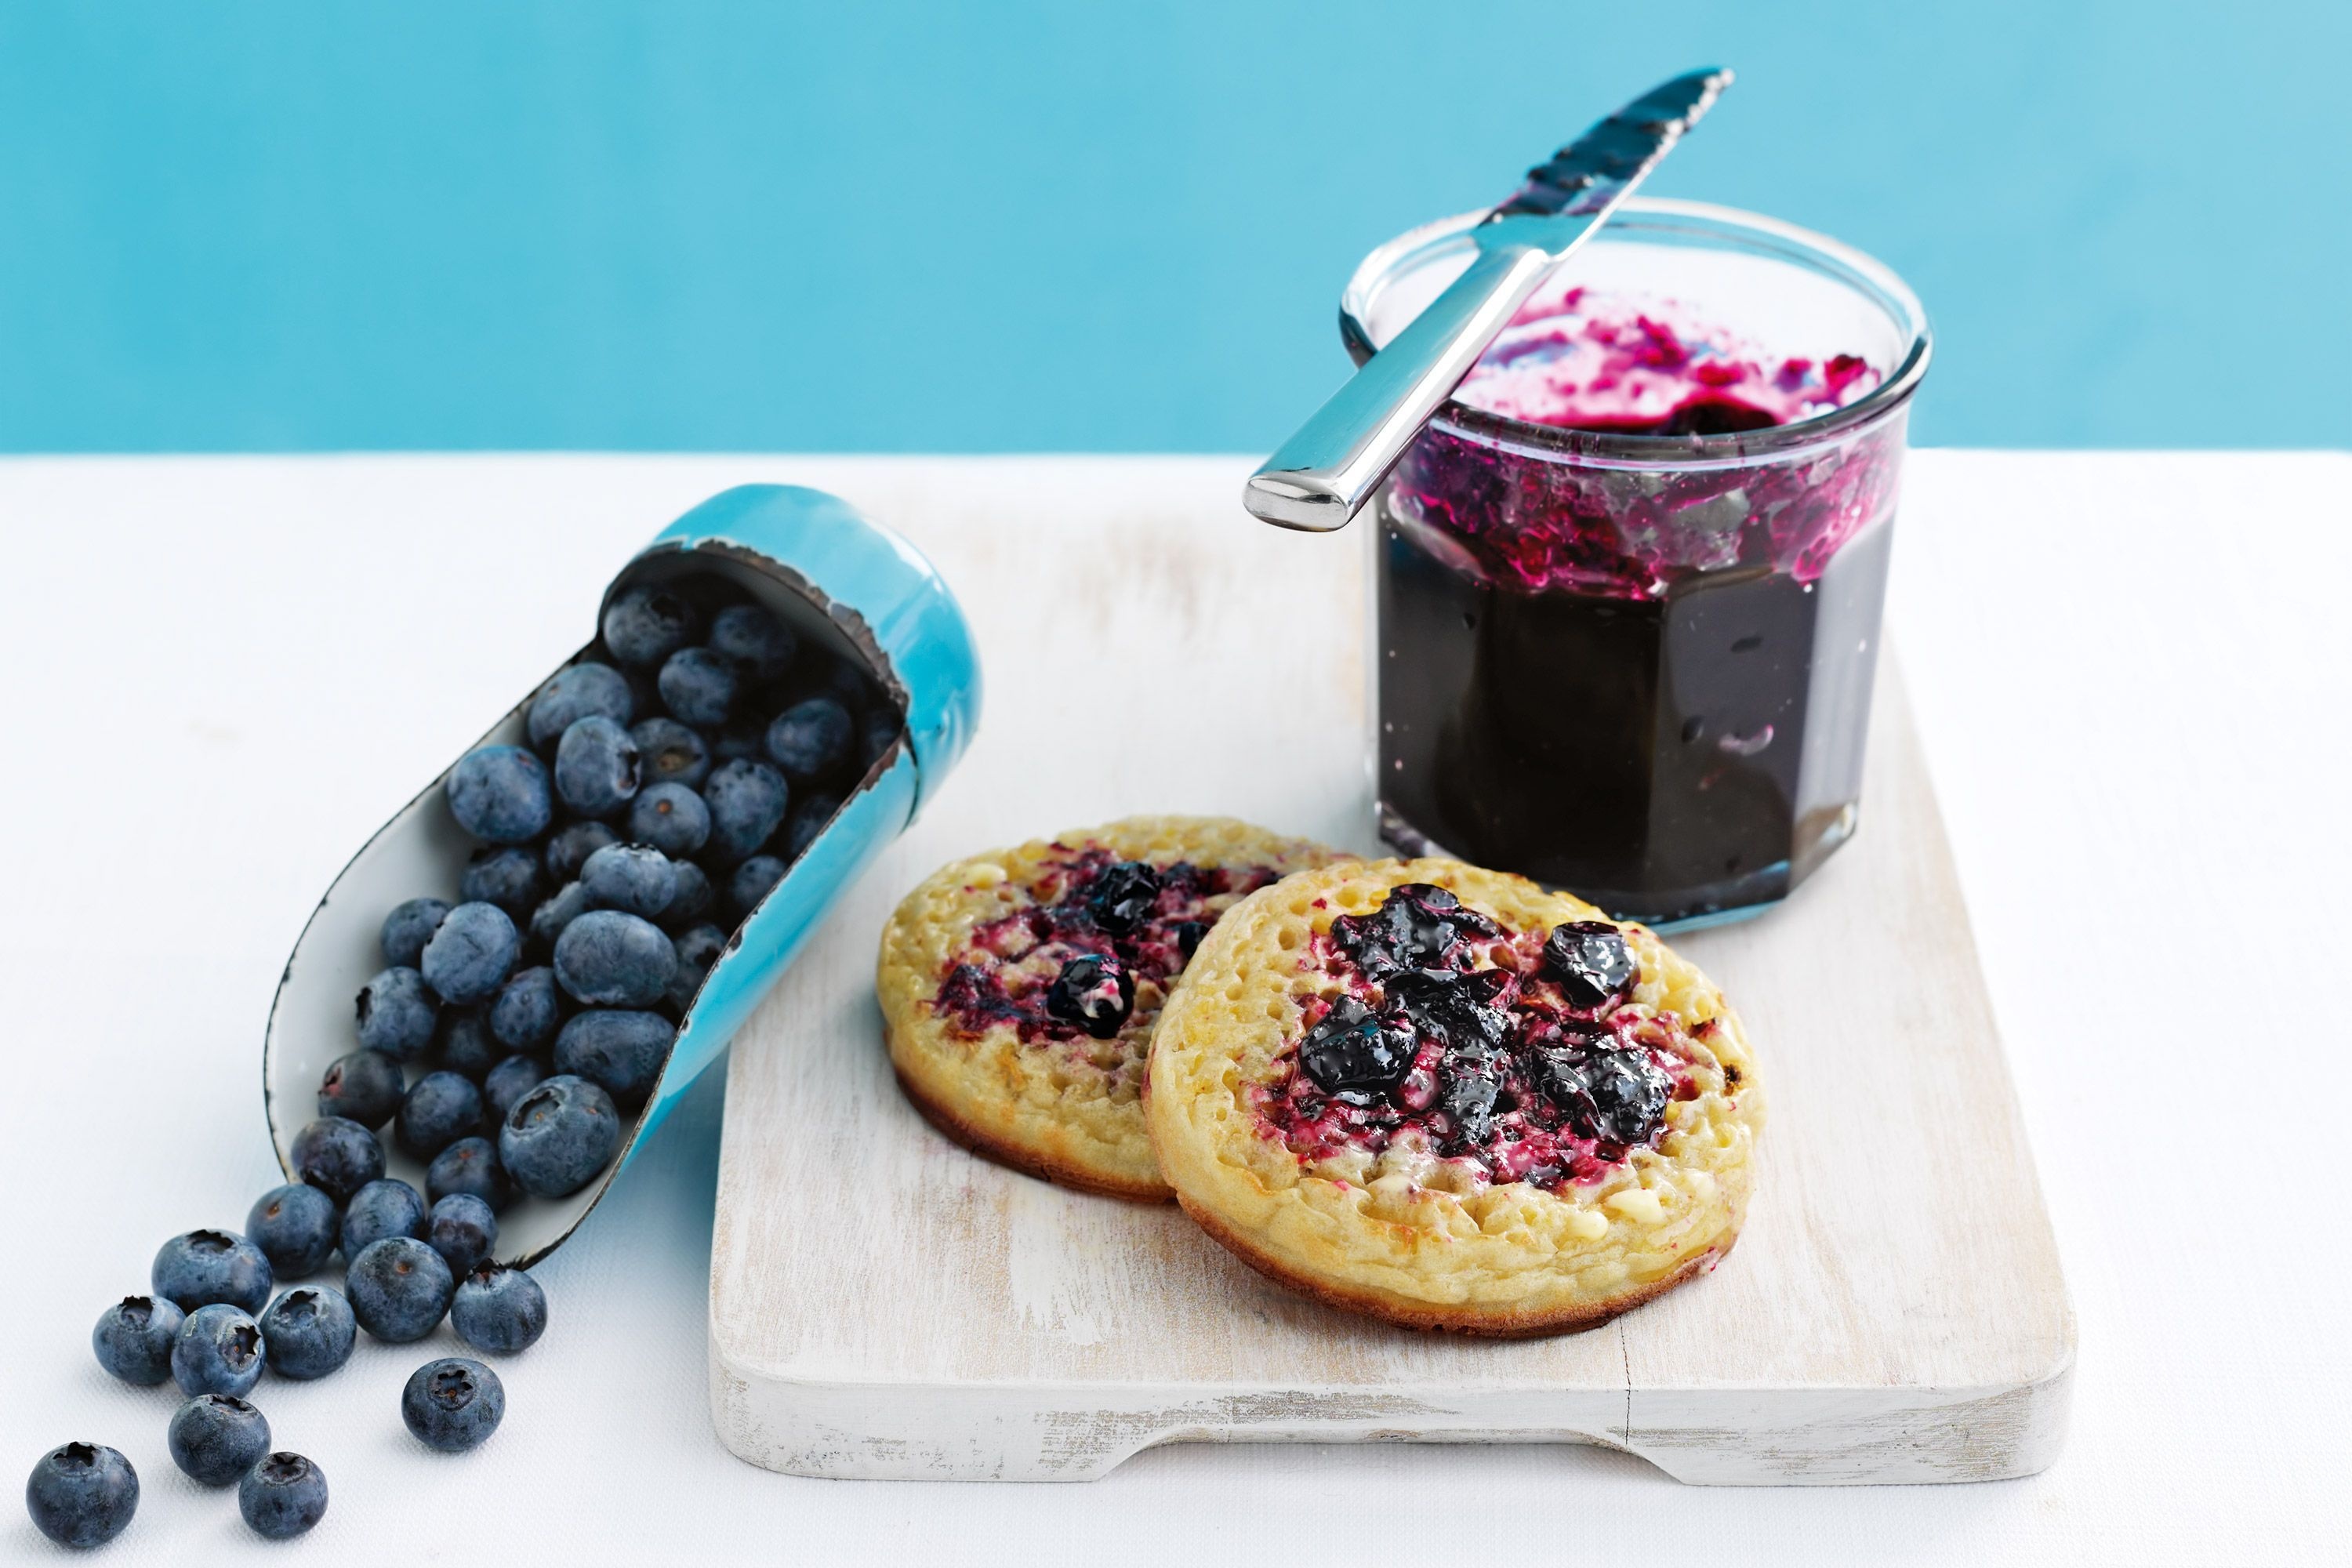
pixel 1187 935
pixel 463 1231
pixel 471 1165
pixel 671 817
pixel 698 949
pixel 283 1496
pixel 747 801
pixel 441 1108
pixel 1465 1106
pixel 700 687
pixel 574 693
pixel 82 1494
pixel 396 1013
pixel 1454 1008
pixel 407 929
pixel 692 900
pixel 548 920
pixel 499 792
pixel 559 1136
pixel 387 1208
pixel 218 1351
pixel 671 752
pixel 1417 926
pixel 876 731
pixel 610 959
pixel 1590 961
pixel 499 1309
pixel 216 1438
pixel 308 1331
pixel 467 1047
pixel 752 882
pixel 645 625
pixel 809 814
pixel 1629 1092
pixel 738 741
pixel 472 954
pixel 1352 1049
pixel 509 877
pixel 568 847
pixel 811 739
pixel 633 877
pixel 508 1082
pixel 399 1288
pixel 296 1227
pixel 597 769
pixel 133 1338
pixel 1093 991
pixel 453 1405
pixel 622 1052
pixel 1123 896
pixel 754 639
pixel 528 1010
pixel 337 1156
pixel 364 1086
pixel 208 1266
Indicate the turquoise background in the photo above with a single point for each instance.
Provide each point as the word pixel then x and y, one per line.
pixel 1067 226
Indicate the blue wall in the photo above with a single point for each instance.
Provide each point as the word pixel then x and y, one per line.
pixel 1096 225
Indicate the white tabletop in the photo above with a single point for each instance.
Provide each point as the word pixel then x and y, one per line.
pixel 2131 673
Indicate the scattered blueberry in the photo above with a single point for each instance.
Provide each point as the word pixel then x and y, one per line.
pixel 408 928
pixel 453 1405
pixel 671 752
pixel 308 1331
pixel 698 687
pixel 528 1010
pixel 1093 991
pixel 364 1086
pixel 386 1207
pixel 283 1496
pixel 559 1136
pixel 296 1227
pixel 633 878
pixel 754 639
pixel 610 959
pixel 811 739
pixel 508 1082
pixel 1353 1049
pixel 509 877
pixel 1590 961
pixel 622 1052
pixel 499 1309
pixel 216 1438
pixel 500 793
pixel 397 1012
pixel 645 625
pixel 218 1351
pixel 698 948
pixel 133 1338
pixel 471 1165
pixel 467 1047
pixel 809 814
pixel 463 1231
pixel 671 817
pixel 338 1156
pixel 82 1494
pixel 597 769
pixel 692 900
pixel 547 922
pixel 747 801
pixel 441 1108
pixel 398 1289
pixel 1123 896
pixel 568 847
pixel 472 954
pixel 752 882
pixel 208 1266
pixel 575 693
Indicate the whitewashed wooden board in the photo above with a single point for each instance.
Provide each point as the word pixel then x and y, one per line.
pixel 884 1305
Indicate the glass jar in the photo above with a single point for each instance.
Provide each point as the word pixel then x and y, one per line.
pixel 1638 666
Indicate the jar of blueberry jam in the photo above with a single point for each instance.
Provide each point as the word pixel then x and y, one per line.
pixel 1629 577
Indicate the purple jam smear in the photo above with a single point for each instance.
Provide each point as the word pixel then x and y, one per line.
pixel 1528 1067
pixel 1106 926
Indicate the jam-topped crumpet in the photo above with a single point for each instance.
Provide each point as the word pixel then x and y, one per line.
pixel 1020 989
pixel 1447 1098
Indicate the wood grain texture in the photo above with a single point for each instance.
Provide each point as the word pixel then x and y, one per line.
pixel 883 1304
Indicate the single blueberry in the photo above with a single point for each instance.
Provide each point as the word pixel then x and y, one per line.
pixel 216 1438
pixel 1187 935
pixel 671 751
pixel 597 769
pixel 82 1494
pixel 698 949
pixel 528 1010
pixel 693 898
pixel 471 1165
pixel 700 687
pixel 382 1208
pixel 467 1048
pixel 310 1332
pixel 547 922
pixel 811 739
pixel 508 876
pixel 337 1156
pixel 453 1405
pixel 441 1108
pixel 645 625
pixel 208 1266
pixel 611 959
pixel 575 693
pixel 876 732
pixel 1628 1091
pixel 1353 1049
pixel 559 1136
pixel 499 1309
pixel 1093 991
pixel 622 1052
pixel 1590 961
pixel 1465 1106
pixel 398 1289
pixel 133 1338
pixel 635 878
pixel 463 1231
pixel 1123 896
pixel 219 1350
pixel 671 817
pixel 752 882
pixel 754 639
pixel 296 1227
pixel 500 793
pixel 809 814
pixel 407 929
pixel 747 801
pixel 364 1086
pixel 508 1082
pixel 396 1013
pixel 283 1496
pixel 568 847
pixel 472 954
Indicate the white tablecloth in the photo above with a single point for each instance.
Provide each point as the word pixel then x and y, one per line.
pixel 2132 674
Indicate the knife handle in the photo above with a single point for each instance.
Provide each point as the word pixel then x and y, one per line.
pixel 1323 475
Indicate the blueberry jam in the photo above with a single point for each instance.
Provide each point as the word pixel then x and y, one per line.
pixel 1527 1065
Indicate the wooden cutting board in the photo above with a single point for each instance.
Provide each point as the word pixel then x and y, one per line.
pixel 884 1305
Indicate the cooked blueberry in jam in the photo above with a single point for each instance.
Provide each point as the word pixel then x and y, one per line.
pixel 1187 935
pixel 1123 896
pixel 1418 927
pixel 1354 1049
pixel 1589 959
pixel 1094 991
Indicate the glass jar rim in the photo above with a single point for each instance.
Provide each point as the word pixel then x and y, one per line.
pixel 1767 235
